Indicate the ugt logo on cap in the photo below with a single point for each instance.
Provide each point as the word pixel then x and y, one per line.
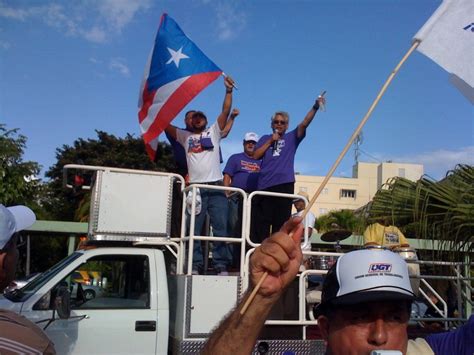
pixel 380 267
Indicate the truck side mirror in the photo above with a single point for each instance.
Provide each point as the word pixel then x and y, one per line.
pixel 62 302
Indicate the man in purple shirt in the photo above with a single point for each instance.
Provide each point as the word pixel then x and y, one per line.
pixel 277 173
pixel 241 171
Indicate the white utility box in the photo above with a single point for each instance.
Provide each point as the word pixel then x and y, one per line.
pixel 130 207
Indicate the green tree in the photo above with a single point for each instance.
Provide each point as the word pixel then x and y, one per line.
pixel 19 183
pixel 441 210
pixel 107 150
pixel 345 219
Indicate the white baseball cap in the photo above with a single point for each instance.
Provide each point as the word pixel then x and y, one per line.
pixel 14 219
pixel 366 276
pixel 251 136
pixel 302 194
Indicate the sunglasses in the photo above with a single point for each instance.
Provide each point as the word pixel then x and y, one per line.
pixel 279 122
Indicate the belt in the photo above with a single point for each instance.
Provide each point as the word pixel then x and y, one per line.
pixel 218 182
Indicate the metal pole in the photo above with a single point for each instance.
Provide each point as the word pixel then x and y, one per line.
pixel 28 255
pixel 71 244
pixel 459 292
pixel 467 271
pixel 205 252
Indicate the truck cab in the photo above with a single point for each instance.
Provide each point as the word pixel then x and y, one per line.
pixel 133 304
pixel 126 291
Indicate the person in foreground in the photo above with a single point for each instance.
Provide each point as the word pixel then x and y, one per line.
pixel 366 301
pixel 17 334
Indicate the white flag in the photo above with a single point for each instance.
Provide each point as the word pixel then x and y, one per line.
pixel 448 39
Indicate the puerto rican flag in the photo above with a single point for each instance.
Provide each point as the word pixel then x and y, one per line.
pixel 176 72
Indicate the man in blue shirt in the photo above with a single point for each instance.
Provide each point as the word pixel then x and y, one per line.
pixel 241 171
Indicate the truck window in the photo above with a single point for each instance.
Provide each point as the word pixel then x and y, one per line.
pixel 21 295
pixel 109 282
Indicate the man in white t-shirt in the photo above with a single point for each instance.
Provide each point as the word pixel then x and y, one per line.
pixel 203 160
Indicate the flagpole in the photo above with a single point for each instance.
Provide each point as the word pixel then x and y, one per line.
pixel 338 160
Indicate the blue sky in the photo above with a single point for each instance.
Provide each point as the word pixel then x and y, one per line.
pixel 70 67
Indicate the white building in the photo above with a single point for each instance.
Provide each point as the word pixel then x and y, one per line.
pixel 357 191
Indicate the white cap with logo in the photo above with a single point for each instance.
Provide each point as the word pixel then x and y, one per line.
pixel 363 276
pixel 12 220
pixel 251 136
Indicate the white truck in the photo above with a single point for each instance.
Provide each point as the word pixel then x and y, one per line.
pixel 145 301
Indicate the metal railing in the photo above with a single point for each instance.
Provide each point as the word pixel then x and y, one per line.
pixel 179 246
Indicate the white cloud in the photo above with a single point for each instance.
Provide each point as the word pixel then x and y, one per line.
pixel 437 163
pixel 16 14
pixel 4 44
pixel 95 60
pixel 118 13
pixel 118 64
pixel 93 20
pixel 95 34
pixel 55 16
pixel 230 21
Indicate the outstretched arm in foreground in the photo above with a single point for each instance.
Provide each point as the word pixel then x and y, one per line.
pixel 278 255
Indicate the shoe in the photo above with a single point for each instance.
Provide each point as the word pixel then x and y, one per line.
pixel 223 273
pixel 195 272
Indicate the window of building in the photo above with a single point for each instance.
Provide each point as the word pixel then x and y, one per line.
pixel 401 172
pixel 325 191
pixel 323 211
pixel 348 193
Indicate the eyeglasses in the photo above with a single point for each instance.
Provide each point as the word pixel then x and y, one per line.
pixel 279 122
pixel 250 142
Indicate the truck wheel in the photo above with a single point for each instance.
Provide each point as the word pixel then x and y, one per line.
pixel 89 294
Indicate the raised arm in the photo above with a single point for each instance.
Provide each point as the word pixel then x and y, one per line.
pixel 230 122
pixel 309 116
pixel 278 255
pixel 171 130
pixel 222 119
